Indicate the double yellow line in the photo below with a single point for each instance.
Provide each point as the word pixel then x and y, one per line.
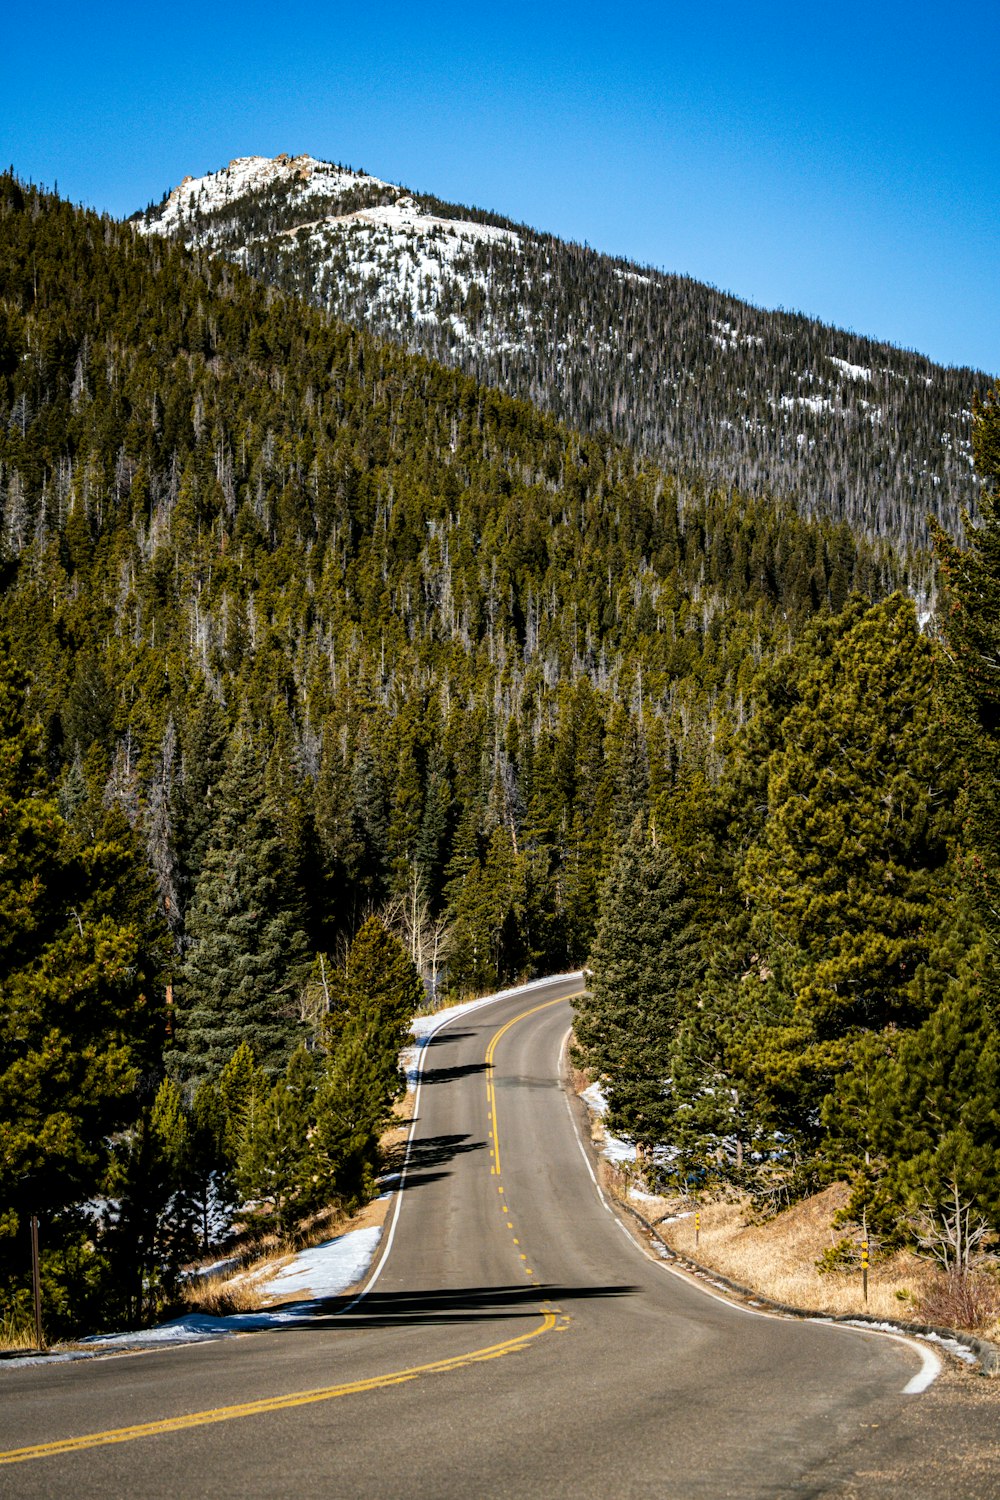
pixel 273 1403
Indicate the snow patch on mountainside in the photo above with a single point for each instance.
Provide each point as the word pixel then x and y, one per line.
pixel 406 217
pixel 815 404
pixel 853 372
pixel 412 265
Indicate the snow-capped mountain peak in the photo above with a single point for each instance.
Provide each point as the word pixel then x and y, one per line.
pixel 248 175
pixel 714 387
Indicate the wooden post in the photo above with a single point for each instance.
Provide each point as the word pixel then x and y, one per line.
pixel 36 1282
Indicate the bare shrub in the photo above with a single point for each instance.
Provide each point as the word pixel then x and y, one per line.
pixel 957 1299
pixel 952 1232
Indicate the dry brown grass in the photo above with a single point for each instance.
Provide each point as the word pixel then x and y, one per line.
pixel 17 1333
pixel 224 1292
pixel 778 1258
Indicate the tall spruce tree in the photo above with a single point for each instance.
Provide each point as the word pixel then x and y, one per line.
pixel 350 1113
pixel 488 944
pixel 970 578
pixel 274 1166
pixel 646 960
pixel 374 1002
pixel 247 951
pixel 380 991
pixel 847 880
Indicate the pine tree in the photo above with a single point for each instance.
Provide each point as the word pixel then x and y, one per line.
pixel 247 955
pixel 150 1227
pixel 350 1114
pixel 195 789
pixel 274 1165
pixel 646 960
pixel 380 992
pixel 847 878
pixel 81 1014
pixel 373 1002
pixel 971 620
pixel 936 1105
pixel 488 945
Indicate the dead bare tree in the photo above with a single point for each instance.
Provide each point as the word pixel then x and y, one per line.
pixel 952 1233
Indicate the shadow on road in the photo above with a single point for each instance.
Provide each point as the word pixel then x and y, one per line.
pixel 436 1150
pixel 426 1155
pixel 444 1039
pixel 449 1075
pixel 475 1304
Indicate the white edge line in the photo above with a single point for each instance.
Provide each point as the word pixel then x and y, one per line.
pixel 422 1043
pixel 930 1363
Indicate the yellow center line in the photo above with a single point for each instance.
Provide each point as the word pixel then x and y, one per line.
pixel 273 1403
pixel 491 1101
pixel 490 1068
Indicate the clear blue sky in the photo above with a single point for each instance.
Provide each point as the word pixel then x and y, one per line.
pixel 839 160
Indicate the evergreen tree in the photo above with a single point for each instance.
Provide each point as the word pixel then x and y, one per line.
pixel 350 1114
pixel 150 1226
pixel 247 954
pixel 935 1106
pixel 373 1004
pixel 81 1017
pixel 488 945
pixel 195 789
pixel 847 879
pixel 646 961
pixel 971 621
pixel 274 1166
pixel 380 992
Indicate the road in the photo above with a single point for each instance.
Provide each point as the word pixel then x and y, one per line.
pixel 515 1341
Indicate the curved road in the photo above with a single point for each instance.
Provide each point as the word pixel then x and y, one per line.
pixel 514 1341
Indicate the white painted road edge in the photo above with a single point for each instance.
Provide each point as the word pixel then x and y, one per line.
pixel 930 1363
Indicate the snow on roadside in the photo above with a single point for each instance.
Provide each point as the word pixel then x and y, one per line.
pixel 620 1152
pixel 960 1351
pixel 613 1148
pixel 325 1270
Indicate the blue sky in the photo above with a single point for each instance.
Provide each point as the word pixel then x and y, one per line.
pixel 838 161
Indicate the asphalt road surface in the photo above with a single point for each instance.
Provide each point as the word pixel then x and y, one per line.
pixel 515 1341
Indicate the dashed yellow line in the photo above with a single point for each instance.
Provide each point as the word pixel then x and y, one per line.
pixel 273 1403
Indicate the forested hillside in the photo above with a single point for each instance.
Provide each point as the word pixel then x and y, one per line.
pixel 450 624
pixel 324 661
pixel 796 976
pixel 769 402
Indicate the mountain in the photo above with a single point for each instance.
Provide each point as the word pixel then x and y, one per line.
pixel 446 617
pixel 767 402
